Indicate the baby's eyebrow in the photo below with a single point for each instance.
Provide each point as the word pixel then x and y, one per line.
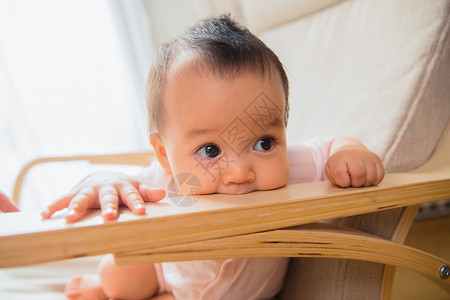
pixel 275 122
pixel 199 131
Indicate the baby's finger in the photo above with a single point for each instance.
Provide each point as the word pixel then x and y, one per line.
pixel 149 194
pixel 57 205
pixel 329 176
pixel 371 173
pixel 380 172
pixel 338 174
pixel 109 202
pixel 6 205
pixel 131 198
pixel 358 173
pixel 83 200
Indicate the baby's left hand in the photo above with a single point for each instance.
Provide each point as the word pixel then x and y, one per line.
pixel 352 164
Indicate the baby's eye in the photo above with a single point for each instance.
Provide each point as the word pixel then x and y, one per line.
pixel 209 151
pixel 264 144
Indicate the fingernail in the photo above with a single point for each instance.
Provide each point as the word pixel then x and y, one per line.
pixel 108 211
pixel 71 212
pixel 138 206
pixel 45 213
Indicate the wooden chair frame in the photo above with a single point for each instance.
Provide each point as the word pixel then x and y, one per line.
pixel 265 223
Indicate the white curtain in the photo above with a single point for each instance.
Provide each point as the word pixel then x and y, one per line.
pixel 72 77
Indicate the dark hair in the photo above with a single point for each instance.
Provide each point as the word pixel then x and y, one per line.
pixel 224 47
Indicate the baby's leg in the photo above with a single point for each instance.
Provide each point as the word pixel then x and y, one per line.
pixel 127 282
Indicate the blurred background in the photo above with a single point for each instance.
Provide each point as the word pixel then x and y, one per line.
pixel 72 82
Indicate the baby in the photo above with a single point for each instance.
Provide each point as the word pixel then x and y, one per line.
pixel 218 110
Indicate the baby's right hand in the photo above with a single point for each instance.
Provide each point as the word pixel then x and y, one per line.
pixel 106 190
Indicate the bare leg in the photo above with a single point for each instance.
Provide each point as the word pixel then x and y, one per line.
pixel 127 282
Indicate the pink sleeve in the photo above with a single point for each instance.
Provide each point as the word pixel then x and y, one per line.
pixel 154 176
pixel 307 161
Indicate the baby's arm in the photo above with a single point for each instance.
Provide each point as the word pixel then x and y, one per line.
pixel 106 190
pixel 350 163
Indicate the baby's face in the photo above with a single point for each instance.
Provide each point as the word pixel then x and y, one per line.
pixel 229 132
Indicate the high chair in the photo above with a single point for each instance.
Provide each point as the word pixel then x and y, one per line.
pixel 374 70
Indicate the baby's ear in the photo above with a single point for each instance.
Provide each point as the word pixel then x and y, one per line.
pixel 160 152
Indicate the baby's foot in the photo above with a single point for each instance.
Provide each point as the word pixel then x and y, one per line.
pixel 84 288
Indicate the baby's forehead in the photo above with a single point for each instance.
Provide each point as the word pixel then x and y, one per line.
pixel 198 64
pixel 194 75
pixel 191 74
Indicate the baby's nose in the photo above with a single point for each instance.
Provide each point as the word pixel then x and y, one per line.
pixel 238 172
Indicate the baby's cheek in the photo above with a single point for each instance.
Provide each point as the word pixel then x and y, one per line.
pixel 283 177
pixel 274 177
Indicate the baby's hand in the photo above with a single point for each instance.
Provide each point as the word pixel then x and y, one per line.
pixel 106 190
pixel 352 164
pixel 6 205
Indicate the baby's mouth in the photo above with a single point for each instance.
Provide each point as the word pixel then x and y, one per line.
pixel 237 189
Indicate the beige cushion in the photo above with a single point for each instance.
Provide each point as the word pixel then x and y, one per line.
pixel 260 15
pixel 375 70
